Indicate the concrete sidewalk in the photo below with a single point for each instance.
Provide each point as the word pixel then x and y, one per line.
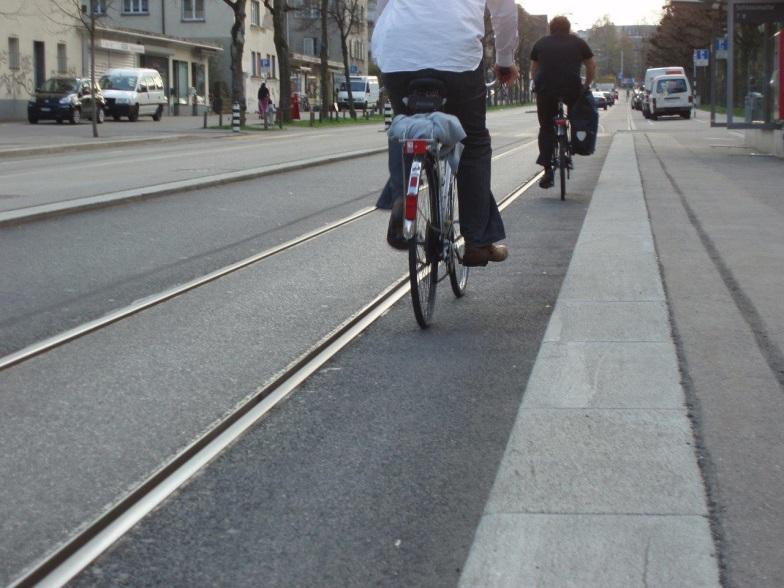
pixel 599 485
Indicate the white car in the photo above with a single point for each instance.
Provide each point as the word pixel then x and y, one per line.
pixel 364 92
pixel 133 92
pixel 671 95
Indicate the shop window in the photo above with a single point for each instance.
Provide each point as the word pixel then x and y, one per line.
pixel 255 13
pixel 193 10
pixel 13 53
pixel 99 6
pixel 135 7
pixel 62 58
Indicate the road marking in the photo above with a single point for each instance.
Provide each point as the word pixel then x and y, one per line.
pixel 514 150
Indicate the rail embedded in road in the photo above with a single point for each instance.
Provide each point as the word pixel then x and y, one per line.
pixel 65 563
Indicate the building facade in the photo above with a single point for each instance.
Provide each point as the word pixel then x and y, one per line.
pixel 44 38
pixel 304 34
pixel 209 21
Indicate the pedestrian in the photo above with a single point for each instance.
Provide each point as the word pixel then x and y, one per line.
pixel 264 100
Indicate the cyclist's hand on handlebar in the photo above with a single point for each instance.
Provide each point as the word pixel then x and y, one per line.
pixel 506 75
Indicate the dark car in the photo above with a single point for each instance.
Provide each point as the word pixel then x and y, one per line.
pixel 65 98
pixel 600 100
pixel 610 98
pixel 636 99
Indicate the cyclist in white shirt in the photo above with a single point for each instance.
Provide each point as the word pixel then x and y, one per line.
pixel 442 39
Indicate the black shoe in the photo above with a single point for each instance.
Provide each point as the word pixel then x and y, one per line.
pixel 395 229
pixel 548 179
pixel 479 256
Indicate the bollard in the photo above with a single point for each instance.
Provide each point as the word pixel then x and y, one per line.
pixel 205 119
pixel 387 115
pixel 220 119
pixel 312 118
pixel 235 118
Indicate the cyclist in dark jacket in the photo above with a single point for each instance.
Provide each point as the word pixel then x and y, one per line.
pixel 556 61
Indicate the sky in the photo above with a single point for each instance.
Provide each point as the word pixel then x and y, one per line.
pixel 584 13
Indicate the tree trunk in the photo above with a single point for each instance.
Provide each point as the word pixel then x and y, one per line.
pixel 282 49
pixel 344 48
pixel 237 49
pixel 94 117
pixel 326 91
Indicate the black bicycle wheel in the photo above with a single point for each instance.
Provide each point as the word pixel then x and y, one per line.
pixel 423 248
pixel 458 273
pixel 562 164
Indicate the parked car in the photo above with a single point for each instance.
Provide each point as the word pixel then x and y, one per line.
pixel 600 100
pixel 64 98
pixel 610 97
pixel 133 92
pixel 364 92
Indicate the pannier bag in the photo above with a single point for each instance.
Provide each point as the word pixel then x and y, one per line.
pixel 584 121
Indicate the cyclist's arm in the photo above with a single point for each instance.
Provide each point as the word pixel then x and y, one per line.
pixel 590 71
pixel 534 67
pixel 503 13
pixel 380 7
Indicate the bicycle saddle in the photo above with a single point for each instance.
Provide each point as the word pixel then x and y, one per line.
pixel 425 95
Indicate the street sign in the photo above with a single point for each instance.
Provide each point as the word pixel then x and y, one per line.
pixel 701 57
pixel 354 68
pixel 722 46
pixel 265 64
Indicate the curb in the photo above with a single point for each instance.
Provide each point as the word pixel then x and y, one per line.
pixel 68 147
pixel 21 215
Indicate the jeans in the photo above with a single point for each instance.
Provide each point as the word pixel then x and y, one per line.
pixel 480 220
pixel 547 109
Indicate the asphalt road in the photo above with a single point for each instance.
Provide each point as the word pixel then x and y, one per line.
pixel 85 423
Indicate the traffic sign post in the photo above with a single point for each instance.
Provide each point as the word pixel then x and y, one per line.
pixel 701 59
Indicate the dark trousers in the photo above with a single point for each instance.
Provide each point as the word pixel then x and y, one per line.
pixel 547 109
pixel 480 221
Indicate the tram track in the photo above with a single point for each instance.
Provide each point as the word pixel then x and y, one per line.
pixel 59 567
pixel 59 339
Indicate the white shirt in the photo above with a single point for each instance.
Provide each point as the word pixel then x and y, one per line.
pixel 441 34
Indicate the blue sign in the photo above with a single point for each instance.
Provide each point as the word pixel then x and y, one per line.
pixel 265 64
pixel 722 44
pixel 701 57
pixel 354 69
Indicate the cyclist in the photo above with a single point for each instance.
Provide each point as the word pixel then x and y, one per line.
pixel 555 69
pixel 442 39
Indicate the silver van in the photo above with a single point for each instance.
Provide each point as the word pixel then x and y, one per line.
pixel 133 92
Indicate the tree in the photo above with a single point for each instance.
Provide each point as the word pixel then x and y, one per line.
pixel 324 57
pixel 683 28
pixel 604 42
pixel 348 15
pixel 237 50
pixel 87 19
pixel 279 8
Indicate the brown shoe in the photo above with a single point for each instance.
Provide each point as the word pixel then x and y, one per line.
pixel 479 256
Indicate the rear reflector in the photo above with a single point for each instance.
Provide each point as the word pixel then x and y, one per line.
pixel 413 191
pixel 560 122
pixel 691 99
pixel 415 146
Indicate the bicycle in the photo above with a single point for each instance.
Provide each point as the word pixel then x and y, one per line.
pixel 431 222
pixel 562 158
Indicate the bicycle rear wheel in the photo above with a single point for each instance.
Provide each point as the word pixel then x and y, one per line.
pixel 458 273
pixel 423 248
pixel 562 164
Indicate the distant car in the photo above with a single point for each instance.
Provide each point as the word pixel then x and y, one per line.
pixel 600 100
pixel 610 98
pixel 64 98
pixel 637 99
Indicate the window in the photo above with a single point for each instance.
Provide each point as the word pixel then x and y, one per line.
pixel 254 64
pixel 62 58
pixel 192 9
pixel 135 7
pixel 99 6
pixel 309 46
pixel 255 13
pixel 13 52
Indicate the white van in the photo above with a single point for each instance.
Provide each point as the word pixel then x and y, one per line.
pixel 133 92
pixel 650 74
pixel 670 95
pixel 364 91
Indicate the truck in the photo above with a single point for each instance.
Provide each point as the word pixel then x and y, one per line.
pixel 651 74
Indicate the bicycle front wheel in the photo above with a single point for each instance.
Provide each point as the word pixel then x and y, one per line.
pixel 562 164
pixel 423 248
pixel 458 273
